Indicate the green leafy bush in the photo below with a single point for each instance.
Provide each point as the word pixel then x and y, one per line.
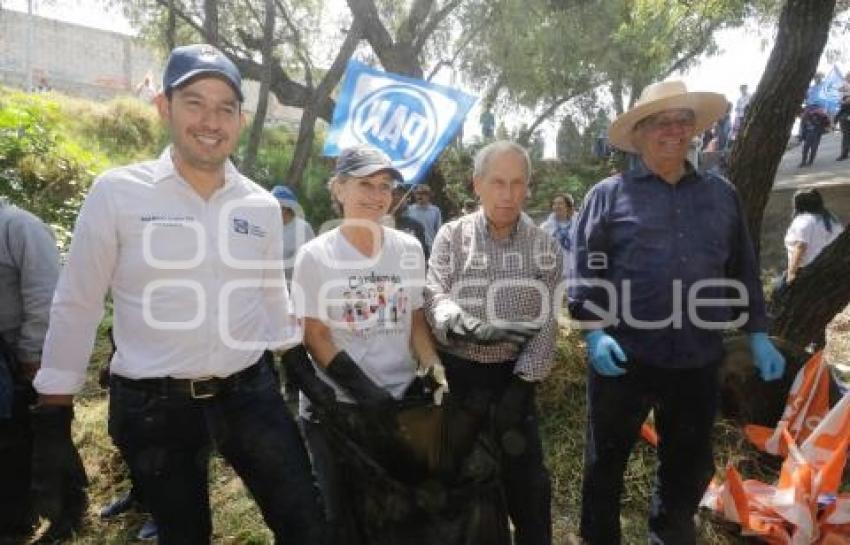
pixel 41 168
pixel 127 129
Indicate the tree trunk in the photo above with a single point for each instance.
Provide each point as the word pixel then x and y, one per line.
pixel 170 27
pixel 310 113
pixel 211 21
pixel 303 147
pixel 821 290
pixel 617 94
pixel 249 159
pixel 801 36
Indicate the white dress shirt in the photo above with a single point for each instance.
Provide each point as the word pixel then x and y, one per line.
pixel 197 286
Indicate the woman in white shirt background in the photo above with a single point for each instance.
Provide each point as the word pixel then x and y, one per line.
pixel 812 228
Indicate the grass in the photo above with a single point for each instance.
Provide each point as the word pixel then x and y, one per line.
pixel 562 407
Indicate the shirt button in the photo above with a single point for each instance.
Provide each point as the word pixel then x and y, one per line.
pixel 681 235
pixel 683 259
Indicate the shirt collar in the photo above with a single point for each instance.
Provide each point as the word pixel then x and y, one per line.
pixel 641 171
pixel 165 170
pixel 481 223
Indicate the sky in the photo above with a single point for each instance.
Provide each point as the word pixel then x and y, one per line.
pixel 741 60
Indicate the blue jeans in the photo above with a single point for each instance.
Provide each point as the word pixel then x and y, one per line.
pixel 166 440
pixel 684 401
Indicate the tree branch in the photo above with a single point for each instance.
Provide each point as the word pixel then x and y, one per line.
pixel 287 91
pixel 409 28
pixel 373 29
pixel 695 51
pixel 432 23
pixel 300 49
pixel 525 137
pixel 467 39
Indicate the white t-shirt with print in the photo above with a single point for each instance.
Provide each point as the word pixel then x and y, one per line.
pixel 810 229
pixel 367 303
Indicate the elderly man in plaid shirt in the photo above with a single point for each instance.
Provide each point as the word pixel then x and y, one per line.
pixel 490 299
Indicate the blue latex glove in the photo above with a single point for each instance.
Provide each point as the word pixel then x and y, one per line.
pixel 766 357
pixel 602 351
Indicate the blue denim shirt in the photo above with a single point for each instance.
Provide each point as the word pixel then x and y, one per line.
pixel 642 246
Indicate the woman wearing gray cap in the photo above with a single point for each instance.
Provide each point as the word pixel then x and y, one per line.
pixel 358 290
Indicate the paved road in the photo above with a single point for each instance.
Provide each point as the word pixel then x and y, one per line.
pixel 825 171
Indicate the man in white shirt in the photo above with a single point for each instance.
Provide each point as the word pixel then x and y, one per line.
pixel 191 253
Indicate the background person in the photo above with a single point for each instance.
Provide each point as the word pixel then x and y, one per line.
pixel 842 119
pixel 146 90
pixel 560 222
pixel 427 214
pixel 29 268
pixel 296 230
pixel 404 223
pixel 813 124
pixel 640 236
pixel 812 229
pixel 470 206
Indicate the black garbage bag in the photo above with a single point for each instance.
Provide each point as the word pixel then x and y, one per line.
pixel 424 475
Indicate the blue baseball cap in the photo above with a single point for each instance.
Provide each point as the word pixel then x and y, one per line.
pixel 361 161
pixel 285 196
pixel 188 61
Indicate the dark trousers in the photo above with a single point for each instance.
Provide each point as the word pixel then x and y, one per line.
pixel 341 527
pixel 16 464
pixel 845 140
pixel 166 440
pixel 525 479
pixel 684 401
pixel 811 142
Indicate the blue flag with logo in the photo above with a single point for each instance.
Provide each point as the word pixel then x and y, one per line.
pixel 410 120
pixel 831 90
pixel 827 94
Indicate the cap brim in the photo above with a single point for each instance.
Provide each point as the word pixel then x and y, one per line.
pixel 188 76
pixel 288 203
pixel 369 170
pixel 708 108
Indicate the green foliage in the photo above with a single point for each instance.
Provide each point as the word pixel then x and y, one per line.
pixel 43 169
pixel 273 158
pixel 549 54
pixel 559 52
pixel 650 39
pixel 126 129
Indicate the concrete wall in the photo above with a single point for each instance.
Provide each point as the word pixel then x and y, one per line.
pixel 74 59
pixel 93 63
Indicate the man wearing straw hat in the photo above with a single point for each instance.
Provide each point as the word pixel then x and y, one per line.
pixel 662 263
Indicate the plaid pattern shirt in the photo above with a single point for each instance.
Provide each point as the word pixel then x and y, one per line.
pixel 513 279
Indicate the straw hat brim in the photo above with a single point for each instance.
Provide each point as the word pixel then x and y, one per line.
pixel 708 108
